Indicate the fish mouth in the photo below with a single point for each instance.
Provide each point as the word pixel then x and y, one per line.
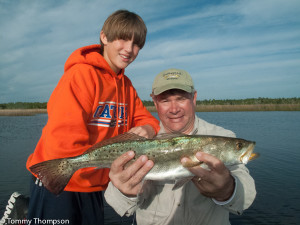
pixel 249 154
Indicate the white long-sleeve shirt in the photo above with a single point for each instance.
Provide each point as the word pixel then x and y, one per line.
pixel 160 205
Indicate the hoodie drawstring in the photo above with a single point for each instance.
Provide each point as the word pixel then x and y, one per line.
pixel 124 111
pixel 123 121
pixel 117 105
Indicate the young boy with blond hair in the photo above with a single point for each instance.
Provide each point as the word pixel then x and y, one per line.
pixel 93 101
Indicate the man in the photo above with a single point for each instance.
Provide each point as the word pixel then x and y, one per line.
pixel 211 194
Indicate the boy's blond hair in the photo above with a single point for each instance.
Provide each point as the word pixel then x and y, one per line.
pixel 124 25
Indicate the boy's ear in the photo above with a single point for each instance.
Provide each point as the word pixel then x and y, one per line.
pixel 103 38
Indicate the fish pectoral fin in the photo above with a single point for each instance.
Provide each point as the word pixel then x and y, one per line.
pixel 190 164
pixel 180 183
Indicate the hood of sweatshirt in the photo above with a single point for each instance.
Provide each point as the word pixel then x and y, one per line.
pixel 91 55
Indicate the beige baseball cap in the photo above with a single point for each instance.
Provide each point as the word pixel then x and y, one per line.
pixel 172 79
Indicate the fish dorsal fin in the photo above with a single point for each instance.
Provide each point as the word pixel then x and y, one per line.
pixel 174 134
pixel 169 135
pixel 116 139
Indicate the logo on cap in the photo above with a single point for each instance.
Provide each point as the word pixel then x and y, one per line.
pixel 172 75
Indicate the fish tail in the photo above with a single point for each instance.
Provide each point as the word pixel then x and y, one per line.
pixel 54 174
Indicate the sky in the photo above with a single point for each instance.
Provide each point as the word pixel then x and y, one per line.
pixel 232 49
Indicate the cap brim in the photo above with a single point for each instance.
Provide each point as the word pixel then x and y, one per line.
pixel 167 87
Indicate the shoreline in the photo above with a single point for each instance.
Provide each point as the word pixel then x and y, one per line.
pixel 199 108
pixel 21 112
pixel 242 108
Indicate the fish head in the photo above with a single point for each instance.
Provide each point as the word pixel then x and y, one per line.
pixel 229 150
pixel 245 150
pixel 234 150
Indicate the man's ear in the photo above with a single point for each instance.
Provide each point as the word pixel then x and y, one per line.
pixel 195 98
pixel 154 99
pixel 103 38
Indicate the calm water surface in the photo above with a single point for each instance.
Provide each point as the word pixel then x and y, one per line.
pixel 276 172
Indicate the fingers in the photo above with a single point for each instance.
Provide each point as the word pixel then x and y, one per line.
pixel 216 181
pixel 139 131
pixel 209 164
pixel 212 162
pixel 146 131
pixel 121 161
pixel 137 173
pixel 128 180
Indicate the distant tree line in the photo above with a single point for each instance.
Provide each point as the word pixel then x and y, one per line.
pixel 248 101
pixel 24 105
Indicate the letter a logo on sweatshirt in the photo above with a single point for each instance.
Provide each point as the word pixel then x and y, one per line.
pixel 106 114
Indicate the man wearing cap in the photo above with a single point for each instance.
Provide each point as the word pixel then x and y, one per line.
pixel 208 197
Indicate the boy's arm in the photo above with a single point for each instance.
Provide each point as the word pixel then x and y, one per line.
pixel 143 122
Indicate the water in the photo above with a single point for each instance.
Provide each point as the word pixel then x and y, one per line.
pixel 276 172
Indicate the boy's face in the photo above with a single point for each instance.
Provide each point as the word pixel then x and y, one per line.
pixel 119 53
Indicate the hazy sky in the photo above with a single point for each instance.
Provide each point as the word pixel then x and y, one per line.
pixel 232 49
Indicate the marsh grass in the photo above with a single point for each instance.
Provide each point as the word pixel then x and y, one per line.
pixel 21 112
pixel 199 108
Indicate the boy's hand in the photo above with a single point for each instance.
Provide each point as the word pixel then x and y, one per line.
pixel 128 180
pixel 146 131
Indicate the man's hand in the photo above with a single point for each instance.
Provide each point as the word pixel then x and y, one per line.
pixel 216 182
pixel 129 180
pixel 146 131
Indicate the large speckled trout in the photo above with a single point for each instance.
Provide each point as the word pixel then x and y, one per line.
pixel 166 152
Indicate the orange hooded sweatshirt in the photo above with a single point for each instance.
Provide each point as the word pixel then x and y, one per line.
pixel 91 103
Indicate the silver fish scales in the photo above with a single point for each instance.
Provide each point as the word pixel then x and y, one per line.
pixel 166 152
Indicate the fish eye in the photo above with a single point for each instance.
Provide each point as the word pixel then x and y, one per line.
pixel 239 145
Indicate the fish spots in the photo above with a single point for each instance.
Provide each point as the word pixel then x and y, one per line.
pixel 175 141
pixel 114 151
pixel 63 165
pixel 151 155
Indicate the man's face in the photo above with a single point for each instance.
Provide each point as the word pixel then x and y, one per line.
pixel 119 53
pixel 176 110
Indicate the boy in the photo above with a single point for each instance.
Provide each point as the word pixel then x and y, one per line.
pixel 92 102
